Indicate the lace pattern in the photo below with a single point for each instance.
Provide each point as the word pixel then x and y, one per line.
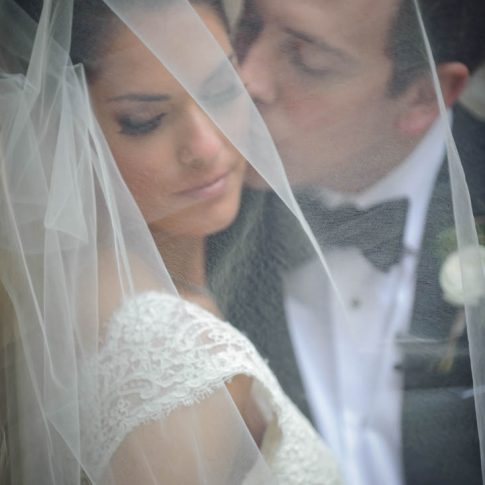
pixel 161 353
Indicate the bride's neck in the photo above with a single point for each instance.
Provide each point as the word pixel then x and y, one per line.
pixel 184 257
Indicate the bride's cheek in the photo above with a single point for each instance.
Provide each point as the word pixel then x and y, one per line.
pixel 241 167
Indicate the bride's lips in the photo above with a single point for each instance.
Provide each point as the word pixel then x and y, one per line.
pixel 214 187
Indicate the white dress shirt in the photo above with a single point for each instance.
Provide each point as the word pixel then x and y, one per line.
pixel 345 347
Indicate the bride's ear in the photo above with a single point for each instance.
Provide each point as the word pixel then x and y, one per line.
pixel 420 102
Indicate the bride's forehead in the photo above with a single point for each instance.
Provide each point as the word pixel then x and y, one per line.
pixel 136 67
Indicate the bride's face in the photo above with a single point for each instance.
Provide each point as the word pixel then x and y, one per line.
pixel 184 174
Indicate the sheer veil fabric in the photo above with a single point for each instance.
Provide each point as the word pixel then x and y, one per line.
pixel 89 396
pixel 83 246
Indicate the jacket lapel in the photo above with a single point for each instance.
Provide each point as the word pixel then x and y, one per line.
pixel 428 340
pixel 439 430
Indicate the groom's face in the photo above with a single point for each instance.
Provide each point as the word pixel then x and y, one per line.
pixel 319 72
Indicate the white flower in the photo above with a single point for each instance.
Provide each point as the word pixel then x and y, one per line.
pixel 470 261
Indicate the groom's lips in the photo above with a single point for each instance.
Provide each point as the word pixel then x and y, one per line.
pixel 214 187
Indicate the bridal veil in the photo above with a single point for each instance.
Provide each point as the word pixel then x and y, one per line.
pixel 74 247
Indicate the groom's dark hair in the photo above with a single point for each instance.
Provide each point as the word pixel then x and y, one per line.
pixel 455 29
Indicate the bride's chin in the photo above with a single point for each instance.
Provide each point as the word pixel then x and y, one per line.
pixel 212 223
pixel 199 223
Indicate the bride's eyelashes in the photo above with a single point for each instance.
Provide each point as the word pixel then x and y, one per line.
pixel 134 127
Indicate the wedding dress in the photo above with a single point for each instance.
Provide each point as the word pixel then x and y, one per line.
pixel 161 353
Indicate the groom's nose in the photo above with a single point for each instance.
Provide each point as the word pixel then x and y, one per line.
pixel 257 70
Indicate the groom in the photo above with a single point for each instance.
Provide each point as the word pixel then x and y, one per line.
pixel 340 85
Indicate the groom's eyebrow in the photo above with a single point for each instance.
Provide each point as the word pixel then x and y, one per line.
pixel 321 44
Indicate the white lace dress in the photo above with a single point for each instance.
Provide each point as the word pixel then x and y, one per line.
pixel 161 352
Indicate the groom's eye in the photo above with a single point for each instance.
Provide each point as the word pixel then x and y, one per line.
pixel 307 58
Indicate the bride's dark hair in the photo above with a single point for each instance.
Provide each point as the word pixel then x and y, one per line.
pixel 93 21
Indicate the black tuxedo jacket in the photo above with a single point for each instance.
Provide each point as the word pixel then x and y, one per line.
pixel 440 441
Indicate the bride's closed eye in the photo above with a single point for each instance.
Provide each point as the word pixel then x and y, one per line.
pixel 134 127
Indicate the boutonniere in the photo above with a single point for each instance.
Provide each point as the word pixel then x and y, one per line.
pixel 464 262
pixel 467 264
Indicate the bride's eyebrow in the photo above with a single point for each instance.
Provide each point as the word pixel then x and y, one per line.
pixel 146 98
pixel 141 97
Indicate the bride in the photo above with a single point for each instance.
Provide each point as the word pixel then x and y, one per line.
pixel 117 363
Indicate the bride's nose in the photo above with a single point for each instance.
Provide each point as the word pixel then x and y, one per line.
pixel 200 140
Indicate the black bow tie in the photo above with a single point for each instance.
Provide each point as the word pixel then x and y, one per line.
pixel 377 231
